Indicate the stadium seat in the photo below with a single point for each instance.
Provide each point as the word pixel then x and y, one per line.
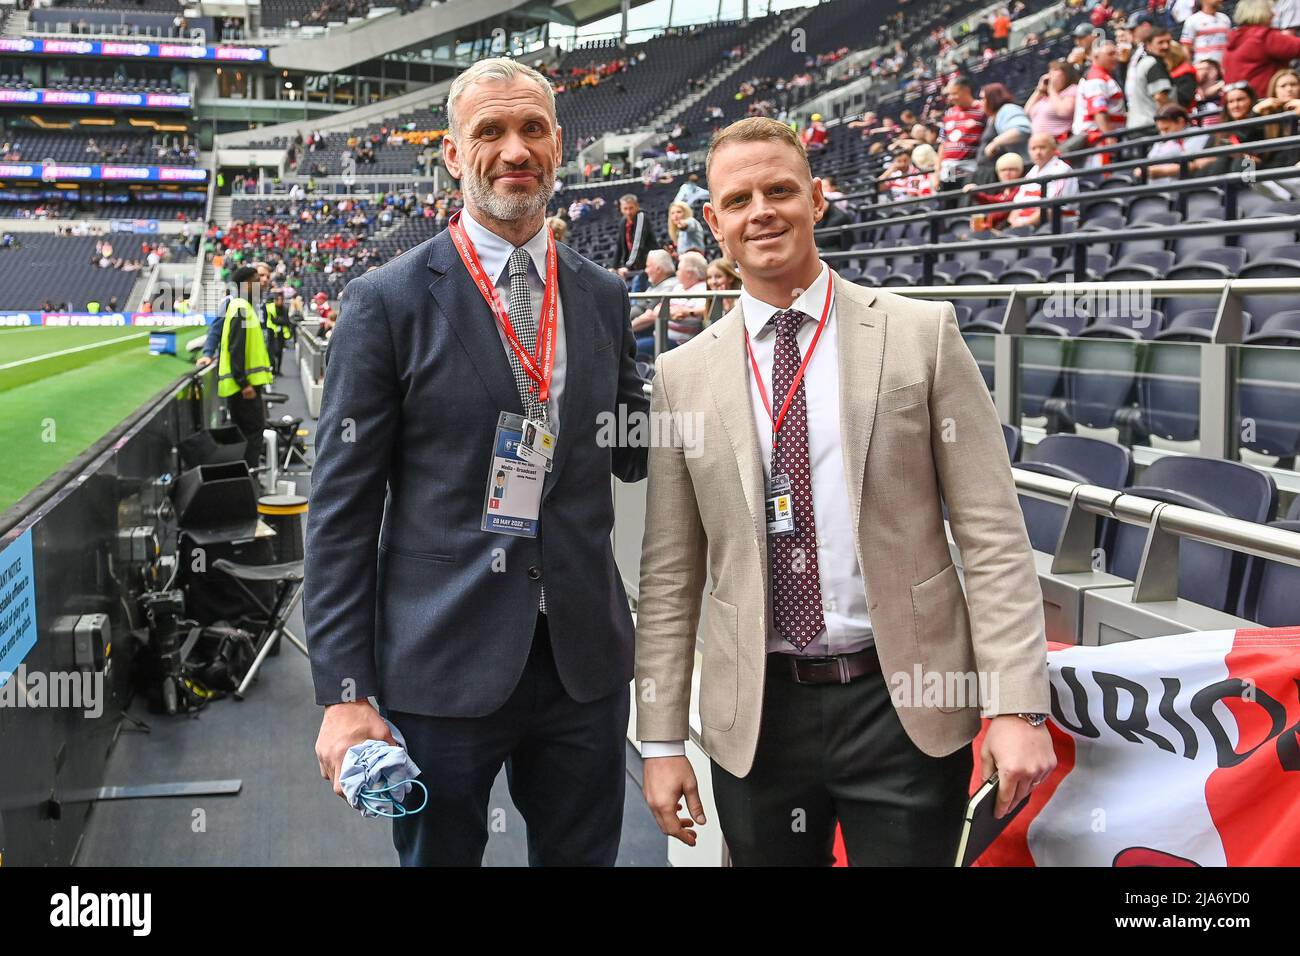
pixel 1261 244
pixel 987 319
pixel 1074 458
pixel 1205 203
pixel 1139 265
pixel 1280 328
pixel 1143 207
pixel 1044 353
pixel 1207 575
pixel 1031 269
pixel 1191 325
pixel 981 347
pixel 1127 322
pixel 1277 597
pixel 1220 263
pixel 1097 264
pixel 1169 391
pixel 984 272
pixel 1100 380
pixel 1266 402
pixel 1011 434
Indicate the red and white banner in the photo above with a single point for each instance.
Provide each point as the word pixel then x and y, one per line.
pixel 1171 751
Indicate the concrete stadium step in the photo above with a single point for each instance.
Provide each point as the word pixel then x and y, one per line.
pixel 781 29
pixel 212 289
pixel 221 206
pixel 17 23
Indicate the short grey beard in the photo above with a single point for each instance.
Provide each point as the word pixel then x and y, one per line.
pixel 506 208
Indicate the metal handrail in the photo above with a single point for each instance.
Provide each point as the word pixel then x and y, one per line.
pixel 1078 241
pixel 1166 524
pixel 1230 149
pixel 661 322
pixel 1177 186
pixel 1146 139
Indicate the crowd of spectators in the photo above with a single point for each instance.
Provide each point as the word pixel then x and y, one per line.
pixel 1167 69
pixel 301 235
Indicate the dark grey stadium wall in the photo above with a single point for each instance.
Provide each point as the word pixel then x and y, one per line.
pixel 46 754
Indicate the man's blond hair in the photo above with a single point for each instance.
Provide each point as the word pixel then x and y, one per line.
pixel 756 129
pixel 497 69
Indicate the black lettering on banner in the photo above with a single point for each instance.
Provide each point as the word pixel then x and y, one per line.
pixel 1085 726
pixel 1135 724
pixel 1191 746
pixel 1203 702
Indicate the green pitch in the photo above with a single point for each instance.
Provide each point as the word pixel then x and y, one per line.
pixel 62 389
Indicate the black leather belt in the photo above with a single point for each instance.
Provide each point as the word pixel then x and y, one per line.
pixel 837 669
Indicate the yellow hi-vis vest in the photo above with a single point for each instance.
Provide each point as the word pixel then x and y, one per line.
pixel 274 327
pixel 257 363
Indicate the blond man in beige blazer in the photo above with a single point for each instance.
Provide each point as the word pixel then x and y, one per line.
pixel 844 671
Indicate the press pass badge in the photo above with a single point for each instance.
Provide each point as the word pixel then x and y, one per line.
pixel 780 505
pixel 513 498
pixel 537 445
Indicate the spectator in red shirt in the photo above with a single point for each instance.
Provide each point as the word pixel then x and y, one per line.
pixel 815 136
pixel 963 127
pixel 1255 49
pixel 1010 167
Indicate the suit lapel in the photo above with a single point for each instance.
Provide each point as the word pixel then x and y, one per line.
pixel 861 336
pixel 728 370
pixel 579 307
pixel 463 308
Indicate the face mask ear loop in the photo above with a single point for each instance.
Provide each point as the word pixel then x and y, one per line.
pixel 373 800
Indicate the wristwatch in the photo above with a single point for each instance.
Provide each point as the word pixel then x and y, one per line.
pixel 1034 720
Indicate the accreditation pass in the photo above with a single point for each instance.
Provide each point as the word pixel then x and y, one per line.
pixel 513 498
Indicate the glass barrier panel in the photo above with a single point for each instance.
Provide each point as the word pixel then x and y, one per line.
pixel 1267 403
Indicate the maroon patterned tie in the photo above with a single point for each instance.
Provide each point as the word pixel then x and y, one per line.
pixel 796 585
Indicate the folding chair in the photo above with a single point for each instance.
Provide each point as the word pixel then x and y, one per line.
pixel 288 580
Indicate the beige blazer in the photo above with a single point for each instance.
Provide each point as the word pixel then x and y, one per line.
pixel 916 422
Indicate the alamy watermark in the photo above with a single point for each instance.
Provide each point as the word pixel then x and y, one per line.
pixel 624 429
pixel 72 690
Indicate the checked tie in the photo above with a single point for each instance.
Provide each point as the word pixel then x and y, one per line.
pixel 525 326
pixel 796 585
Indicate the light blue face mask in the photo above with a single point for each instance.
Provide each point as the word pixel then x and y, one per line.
pixel 377 800
pixel 376 775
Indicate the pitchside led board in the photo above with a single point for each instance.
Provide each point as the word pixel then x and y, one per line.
pixel 126 49
pixel 63 319
pixel 42 97
pixel 99 172
pixel 17 604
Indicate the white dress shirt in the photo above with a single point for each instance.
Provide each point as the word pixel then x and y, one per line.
pixel 843 587
pixel 494 254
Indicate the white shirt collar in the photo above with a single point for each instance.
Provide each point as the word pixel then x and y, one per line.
pixel 757 312
pixel 494 252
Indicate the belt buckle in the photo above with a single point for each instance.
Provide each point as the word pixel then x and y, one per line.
pixel 840 662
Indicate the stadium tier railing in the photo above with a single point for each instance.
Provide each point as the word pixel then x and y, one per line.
pixel 1261 146
pixel 1218 361
pixel 1078 241
pixel 1084 605
pixel 312 350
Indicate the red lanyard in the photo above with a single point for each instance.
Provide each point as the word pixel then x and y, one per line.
pixel 803 367
pixel 538 367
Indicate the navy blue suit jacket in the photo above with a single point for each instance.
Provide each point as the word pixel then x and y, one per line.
pixel 427 612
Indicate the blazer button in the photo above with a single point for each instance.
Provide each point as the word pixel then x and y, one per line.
pixel 534 573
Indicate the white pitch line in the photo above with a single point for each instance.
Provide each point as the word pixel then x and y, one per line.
pixel 78 348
